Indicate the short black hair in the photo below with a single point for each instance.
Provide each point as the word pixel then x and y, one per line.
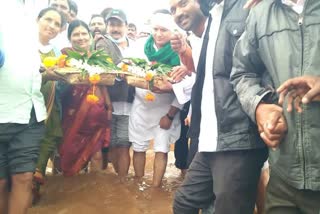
pixel 76 23
pixel 132 25
pixel 163 11
pixel 45 10
pixel 73 6
pixel 94 16
pixel 69 4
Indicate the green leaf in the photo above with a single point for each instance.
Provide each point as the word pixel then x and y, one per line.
pixel 73 54
pixel 151 84
pixel 137 61
pixel 97 53
pixel 161 68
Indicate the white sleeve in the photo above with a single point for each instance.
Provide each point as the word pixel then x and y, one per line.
pixel 190 110
pixel 176 104
pixel 183 89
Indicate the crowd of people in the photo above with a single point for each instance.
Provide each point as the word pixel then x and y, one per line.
pixel 243 99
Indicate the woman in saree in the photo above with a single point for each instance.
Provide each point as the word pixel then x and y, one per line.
pixel 86 125
pixel 50 21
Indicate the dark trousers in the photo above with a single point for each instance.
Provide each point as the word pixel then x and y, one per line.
pixel 19 146
pixel 284 199
pixel 230 179
pixel 193 149
pixel 181 149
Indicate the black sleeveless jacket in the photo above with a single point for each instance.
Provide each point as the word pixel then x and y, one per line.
pixel 235 129
pixel 120 91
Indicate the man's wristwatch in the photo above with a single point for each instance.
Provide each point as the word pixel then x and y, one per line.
pixel 169 117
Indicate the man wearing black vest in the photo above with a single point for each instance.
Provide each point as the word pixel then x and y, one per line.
pixel 231 154
pixel 116 44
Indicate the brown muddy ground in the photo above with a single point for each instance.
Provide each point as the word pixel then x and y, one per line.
pixel 103 193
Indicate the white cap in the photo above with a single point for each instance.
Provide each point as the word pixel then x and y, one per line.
pixel 164 20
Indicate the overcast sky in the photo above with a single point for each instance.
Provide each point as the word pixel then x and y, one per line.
pixel 137 11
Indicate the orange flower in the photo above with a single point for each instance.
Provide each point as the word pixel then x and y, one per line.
pixel 149 97
pixel 63 56
pixel 94 79
pixel 62 61
pixel 149 76
pixel 124 67
pixel 93 99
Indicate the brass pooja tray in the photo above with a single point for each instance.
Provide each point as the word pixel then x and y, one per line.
pixel 74 76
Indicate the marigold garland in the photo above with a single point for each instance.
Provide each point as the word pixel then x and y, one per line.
pixel 149 76
pixel 92 98
pixel 94 79
pixel 124 67
pixel 149 97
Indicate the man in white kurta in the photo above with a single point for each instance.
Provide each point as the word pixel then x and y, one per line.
pixel 156 120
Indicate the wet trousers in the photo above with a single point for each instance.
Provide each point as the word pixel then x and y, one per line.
pixel 229 179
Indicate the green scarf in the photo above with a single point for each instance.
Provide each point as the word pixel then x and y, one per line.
pixel 164 55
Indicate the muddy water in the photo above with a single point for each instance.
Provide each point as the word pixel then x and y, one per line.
pixel 103 193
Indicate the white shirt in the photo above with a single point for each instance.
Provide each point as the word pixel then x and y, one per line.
pixel 196 44
pixel 145 115
pixel 20 80
pixel 61 40
pixel 208 126
pixel 297 7
pixel 183 89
